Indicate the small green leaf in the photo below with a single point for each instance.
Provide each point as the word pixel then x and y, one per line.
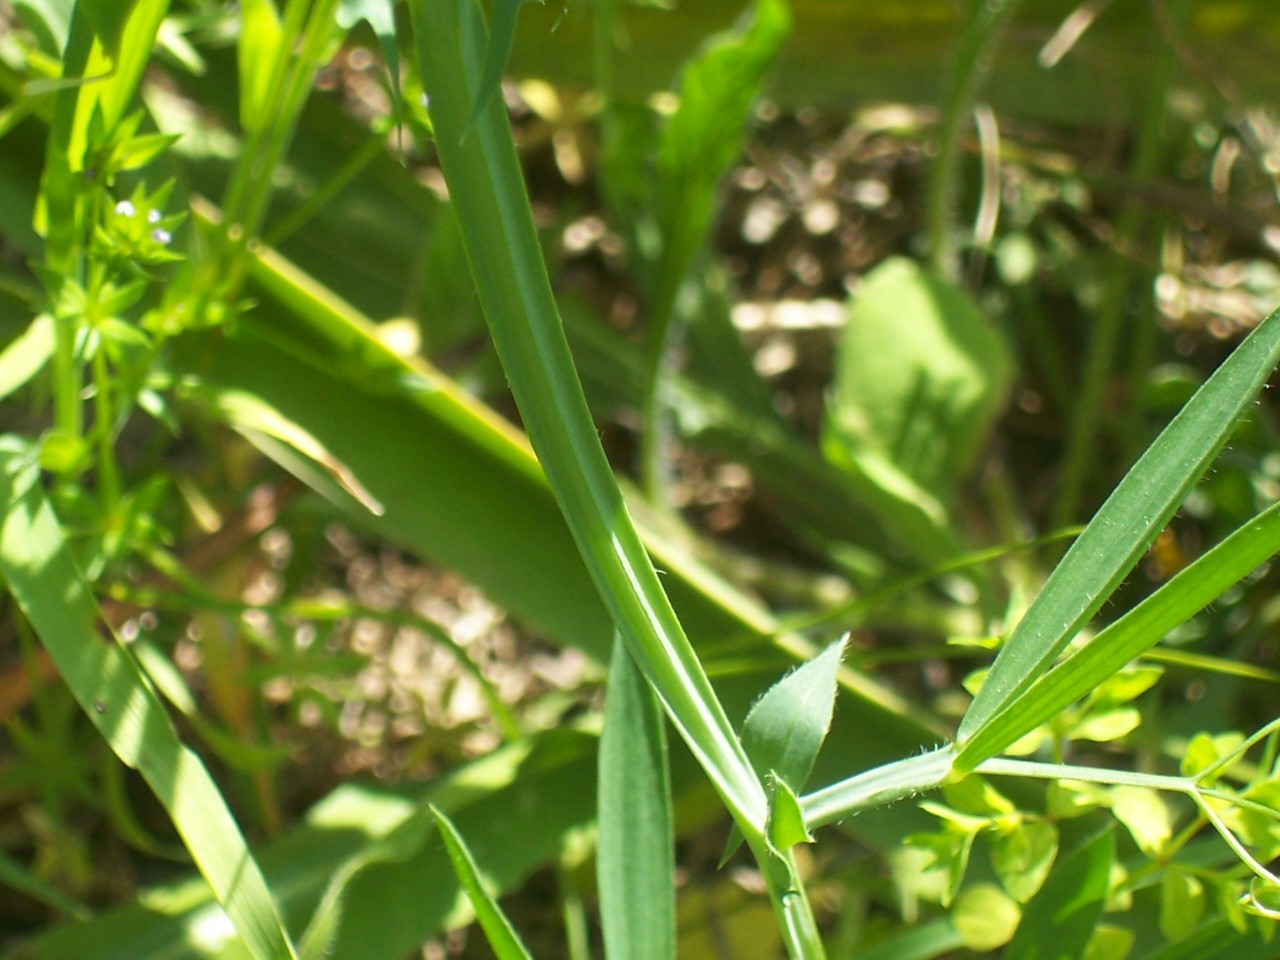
pixel 1146 816
pixel 920 376
pixel 1106 727
pixel 1023 857
pixel 786 821
pixel 1109 943
pixel 950 849
pixel 1182 903
pixel 502 937
pixel 26 355
pixel 975 796
pixel 985 917
pixel 785 728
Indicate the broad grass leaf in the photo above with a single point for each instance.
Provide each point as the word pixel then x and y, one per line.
pixel 1065 912
pixel 785 728
pixel 1122 529
pixel 486 186
pixel 920 376
pixel 261 34
pixel 502 937
pixel 114 694
pixel 985 917
pixel 636 859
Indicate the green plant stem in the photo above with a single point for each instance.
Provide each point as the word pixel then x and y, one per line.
pixel 483 173
pixel 1081 456
pixel 981 30
pixel 293 74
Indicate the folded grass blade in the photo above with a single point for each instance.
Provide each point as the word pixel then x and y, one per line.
pixel 103 677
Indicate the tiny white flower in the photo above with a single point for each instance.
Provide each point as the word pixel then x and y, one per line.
pixel 153 216
pixel 161 236
pixel 125 208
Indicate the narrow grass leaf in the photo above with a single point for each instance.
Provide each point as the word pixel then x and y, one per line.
pixel 1189 591
pixel 1065 912
pixel 112 691
pixel 259 46
pixel 381 17
pixel 636 861
pixel 502 937
pixel 1123 528
pixel 502 34
pixel 17 877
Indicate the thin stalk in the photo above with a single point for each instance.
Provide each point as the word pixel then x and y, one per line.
pixel 1080 456
pixel 978 37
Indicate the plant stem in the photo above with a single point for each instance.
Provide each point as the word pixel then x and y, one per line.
pixel 1081 453
pixel 977 39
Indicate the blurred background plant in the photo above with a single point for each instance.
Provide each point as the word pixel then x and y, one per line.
pixel 243 347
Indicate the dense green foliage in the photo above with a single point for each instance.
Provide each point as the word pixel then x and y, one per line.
pixel 269 304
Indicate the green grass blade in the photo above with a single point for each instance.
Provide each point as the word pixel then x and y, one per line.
pixel 1066 910
pixel 113 693
pixel 497 928
pixel 483 173
pixel 1191 590
pixel 1125 525
pixel 635 863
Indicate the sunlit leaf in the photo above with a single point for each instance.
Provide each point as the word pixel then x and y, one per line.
pixel 1146 815
pixel 1023 857
pixel 985 917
